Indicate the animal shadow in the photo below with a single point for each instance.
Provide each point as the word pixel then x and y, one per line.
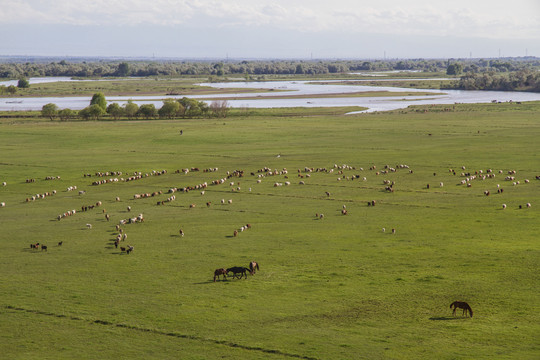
pixel 437 318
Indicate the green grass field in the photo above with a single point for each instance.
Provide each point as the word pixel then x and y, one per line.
pixel 331 288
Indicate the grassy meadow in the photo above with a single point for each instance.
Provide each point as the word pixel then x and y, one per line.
pixel 331 288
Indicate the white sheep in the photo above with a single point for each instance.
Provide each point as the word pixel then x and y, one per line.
pixel 89 226
pixel 504 206
pixel 2 204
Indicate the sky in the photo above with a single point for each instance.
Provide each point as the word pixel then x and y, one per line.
pixel 270 29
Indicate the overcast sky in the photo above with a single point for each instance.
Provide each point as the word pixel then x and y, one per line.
pixel 246 29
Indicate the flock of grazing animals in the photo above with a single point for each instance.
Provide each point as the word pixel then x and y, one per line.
pixel 468 178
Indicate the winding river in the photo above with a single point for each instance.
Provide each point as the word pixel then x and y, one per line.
pixel 311 91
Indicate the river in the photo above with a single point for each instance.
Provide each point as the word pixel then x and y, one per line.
pixel 281 88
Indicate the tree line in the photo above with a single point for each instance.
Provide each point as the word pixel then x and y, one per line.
pixel 172 108
pixel 102 68
pixel 522 80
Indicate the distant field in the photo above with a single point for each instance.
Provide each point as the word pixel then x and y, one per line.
pixel 332 288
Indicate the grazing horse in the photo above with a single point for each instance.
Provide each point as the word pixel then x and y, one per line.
pixel 462 305
pixel 218 272
pixel 252 266
pixel 238 270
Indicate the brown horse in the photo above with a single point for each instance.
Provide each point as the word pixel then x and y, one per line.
pixel 462 305
pixel 252 266
pixel 218 272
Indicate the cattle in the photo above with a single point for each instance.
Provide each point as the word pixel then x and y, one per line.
pixel 60 243
pixel 2 204
pixel 43 247
pixel 181 232
pixel 504 206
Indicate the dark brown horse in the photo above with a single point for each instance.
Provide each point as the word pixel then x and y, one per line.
pixel 238 270
pixel 462 305
pixel 252 266
pixel 218 272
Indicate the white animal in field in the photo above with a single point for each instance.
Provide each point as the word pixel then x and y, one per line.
pixel 89 226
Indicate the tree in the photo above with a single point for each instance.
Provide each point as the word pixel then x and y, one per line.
pixel 99 99
pixel 66 114
pixel 23 83
pixel 454 69
pixel 131 109
pixel 115 111
pixel 148 111
pixel 169 109
pixel 49 110
pixel 123 69
pixel 93 111
pixel 219 108
pixel 11 89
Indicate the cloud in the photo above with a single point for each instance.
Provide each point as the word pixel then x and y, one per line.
pixel 482 18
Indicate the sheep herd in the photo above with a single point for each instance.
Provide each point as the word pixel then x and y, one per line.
pixel 468 179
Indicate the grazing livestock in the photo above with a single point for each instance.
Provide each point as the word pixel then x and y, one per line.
pixel 462 305
pixel 43 247
pixel 129 208
pixel 253 265
pixel 129 249
pixel 122 249
pixel 504 206
pixel 235 233
pixel 2 204
pixel 107 217
pixel 528 205
pixel 219 272
pixel 238 270
pixel 181 232
pixel 343 212
pixel 393 231
pixel 34 246
pixel 89 226
pixel 60 243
